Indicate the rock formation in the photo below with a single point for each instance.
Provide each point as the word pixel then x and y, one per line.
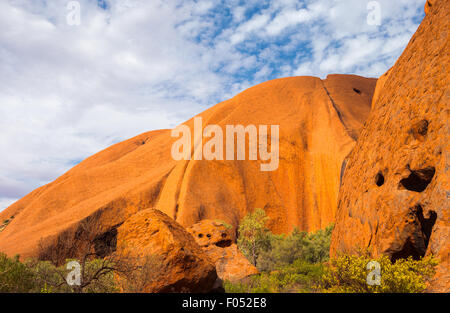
pixel 319 120
pixel 179 264
pixel 394 194
pixel 217 239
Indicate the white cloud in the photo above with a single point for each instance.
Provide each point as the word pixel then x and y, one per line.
pixel 286 19
pixel 343 42
pixel 257 22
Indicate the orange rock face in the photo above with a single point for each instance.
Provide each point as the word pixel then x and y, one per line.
pixel 318 122
pixel 184 265
pixel 429 5
pixel 394 195
pixel 216 239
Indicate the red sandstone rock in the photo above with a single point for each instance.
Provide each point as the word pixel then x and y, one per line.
pixel 318 119
pixel 184 265
pixel 394 195
pixel 230 263
pixel 212 232
pixel 217 239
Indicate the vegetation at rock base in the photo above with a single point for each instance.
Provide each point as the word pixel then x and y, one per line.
pixel 300 276
pixel 100 276
pixel 286 249
pixel 296 262
pixel 254 236
pixel 50 273
pixel 348 273
pixel 269 251
pixel 299 262
pixel 15 276
pixel 43 276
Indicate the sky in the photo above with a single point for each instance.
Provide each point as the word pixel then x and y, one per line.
pixel 69 89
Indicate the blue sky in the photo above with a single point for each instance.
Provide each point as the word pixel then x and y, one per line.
pixel 132 66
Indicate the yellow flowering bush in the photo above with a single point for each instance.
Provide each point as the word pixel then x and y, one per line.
pixel 348 273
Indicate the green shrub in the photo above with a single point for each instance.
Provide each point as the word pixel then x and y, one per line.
pixel 105 283
pixel 299 262
pixel 34 276
pixel 52 279
pixel 316 247
pixel 15 276
pixel 301 276
pixel 349 274
pixel 285 249
pixel 48 277
pixel 254 236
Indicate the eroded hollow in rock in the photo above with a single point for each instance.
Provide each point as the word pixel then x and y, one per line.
pixel 224 243
pixel 357 91
pixel 418 180
pixel 419 130
pixel 422 127
pixel 409 249
pixel 379 179
pixel 426 224
pixel 416 244
pixel 106 243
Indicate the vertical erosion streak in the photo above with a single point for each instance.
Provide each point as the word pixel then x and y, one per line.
pixel 353 136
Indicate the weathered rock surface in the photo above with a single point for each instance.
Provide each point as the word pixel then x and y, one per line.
pixel 217 239
pixel 318 119
pixel 212 232
pixel 184 267
pixel 394 195
pixel 429 5
pixel 230 263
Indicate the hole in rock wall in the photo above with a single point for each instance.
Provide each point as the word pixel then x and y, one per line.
pixel 379 179
pixel 419 130
pixel 416 244
pixel 407 250
pixel 422 127
pixel 357 91
pixel 418 180
pixel 223 243
pixel 106 243
pixel 426 224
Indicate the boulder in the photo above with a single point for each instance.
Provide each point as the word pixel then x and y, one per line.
pixel 183 265
pixel 213 232
pixel 217 240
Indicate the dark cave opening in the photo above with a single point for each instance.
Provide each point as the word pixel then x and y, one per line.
pixel 408 249
pixel 426 224
pixel 106 243
pixel 379 179
pixel 417 248
pixel 224 243
pixel 418 180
